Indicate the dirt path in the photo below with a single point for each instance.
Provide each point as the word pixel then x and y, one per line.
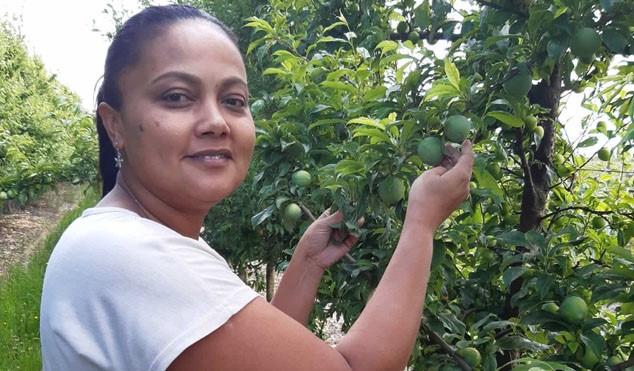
pixel 23 230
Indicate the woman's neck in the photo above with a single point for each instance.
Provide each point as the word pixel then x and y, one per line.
pixel 148 206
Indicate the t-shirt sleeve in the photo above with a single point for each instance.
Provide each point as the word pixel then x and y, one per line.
pixel 139 297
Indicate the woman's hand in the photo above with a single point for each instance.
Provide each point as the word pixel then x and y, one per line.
pixel 316 251
pixel 320 245
pixel 436 193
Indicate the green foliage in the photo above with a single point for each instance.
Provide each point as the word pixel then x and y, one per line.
pixel 45 136
pixel 352 105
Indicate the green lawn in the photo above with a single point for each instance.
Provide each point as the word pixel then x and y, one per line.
pixel 20 293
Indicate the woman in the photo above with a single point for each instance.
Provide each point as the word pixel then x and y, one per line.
pixel 131 286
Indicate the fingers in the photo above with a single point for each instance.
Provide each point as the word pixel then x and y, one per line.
pixel 328 219
pixel 466 157
pixel 438 170
pixel 341 238
pixel 463 160
pixel 325 214
pixel 350 241
pixel 452 154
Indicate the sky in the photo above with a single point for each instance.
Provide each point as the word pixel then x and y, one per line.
pixel 61 33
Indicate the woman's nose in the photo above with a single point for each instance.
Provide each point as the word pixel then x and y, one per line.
pixel 212 120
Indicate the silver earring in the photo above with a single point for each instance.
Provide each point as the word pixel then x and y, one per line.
pixel 118 158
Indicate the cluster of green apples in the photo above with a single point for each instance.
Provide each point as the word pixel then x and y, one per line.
pixel 431 150
pixel 293 212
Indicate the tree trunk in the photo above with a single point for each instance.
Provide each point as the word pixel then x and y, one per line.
pixel 242 272
pixel 270 276
pixel 536 180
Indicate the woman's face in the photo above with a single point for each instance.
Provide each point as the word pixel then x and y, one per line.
pixel 186 128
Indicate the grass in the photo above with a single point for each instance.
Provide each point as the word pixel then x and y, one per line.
pixel 20 293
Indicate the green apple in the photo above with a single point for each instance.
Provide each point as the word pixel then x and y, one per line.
pixel 392 190
pixel 301 178
pixel 457 128
pixel 430 150
pixel 585 42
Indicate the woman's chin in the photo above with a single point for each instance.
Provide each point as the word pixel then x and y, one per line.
pixel 211 195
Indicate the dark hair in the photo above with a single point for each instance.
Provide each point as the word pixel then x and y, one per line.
pixel 125 51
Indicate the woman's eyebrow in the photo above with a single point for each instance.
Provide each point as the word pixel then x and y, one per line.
pixel 176 75
pixel 230 82
pixel 234 82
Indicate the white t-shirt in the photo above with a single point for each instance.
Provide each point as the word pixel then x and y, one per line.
pixel 125 293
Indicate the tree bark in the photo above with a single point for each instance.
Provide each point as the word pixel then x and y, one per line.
pixel 536 180
pixel 547 94
pixel 242 272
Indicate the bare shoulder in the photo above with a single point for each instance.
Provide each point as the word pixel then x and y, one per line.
pixel 260 337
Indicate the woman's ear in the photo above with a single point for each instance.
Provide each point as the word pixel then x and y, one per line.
pixel 112 122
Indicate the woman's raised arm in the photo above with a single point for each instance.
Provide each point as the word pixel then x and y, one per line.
pixel 262 337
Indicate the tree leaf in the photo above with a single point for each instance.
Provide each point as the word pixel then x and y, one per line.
pixel 515 342
pixel 376 135
pixel 513 238
pixel 346 167
pixel 621 252
pixel 627 327
pixel 260 217
pixel 387 46
pixel 512 274
pixel 441 90
pixel 375 93
pixel 487 181
pixel 367 122
pixel 336 85
pixel 556 47
pixel 452 323
pixel 421 16
pixel 319 107
pixel 591 141
pixel 506 118
pixel 275 71
pixel 594 341
pixel 259 24
pixel 453 75
pixel 614 40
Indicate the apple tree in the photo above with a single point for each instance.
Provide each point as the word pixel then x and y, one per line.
pixel 45 135
pixel 535 268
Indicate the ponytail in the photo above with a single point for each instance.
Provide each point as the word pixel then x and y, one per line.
pixel 107 166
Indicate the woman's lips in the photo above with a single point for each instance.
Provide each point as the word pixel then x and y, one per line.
pixel 212 158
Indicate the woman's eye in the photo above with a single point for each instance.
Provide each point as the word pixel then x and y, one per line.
pixel 235 102
pixel 174 98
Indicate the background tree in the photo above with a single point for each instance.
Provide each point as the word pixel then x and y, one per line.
pixel 45 135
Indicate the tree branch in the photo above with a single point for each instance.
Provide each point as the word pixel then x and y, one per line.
pixel 434 337
pixel 500 7
pixel 623 365
pixel 583 208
